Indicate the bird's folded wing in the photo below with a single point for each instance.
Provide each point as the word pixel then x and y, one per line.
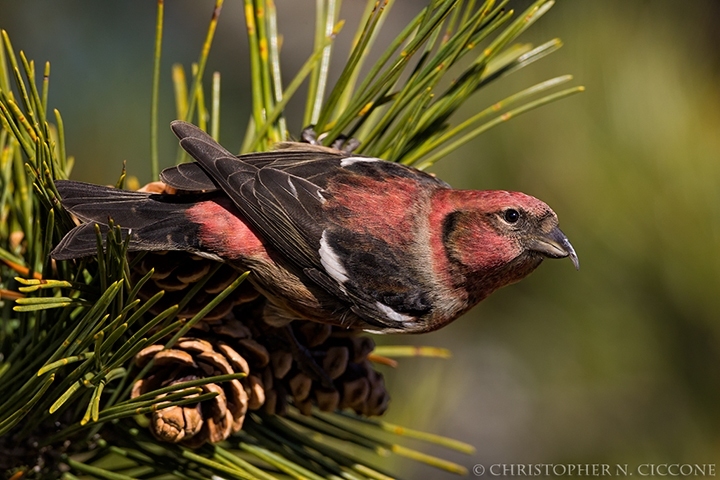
pixel 282 194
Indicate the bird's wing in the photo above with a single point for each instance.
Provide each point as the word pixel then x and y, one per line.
pixel 191 177
pixel 286 194
pixel 188 177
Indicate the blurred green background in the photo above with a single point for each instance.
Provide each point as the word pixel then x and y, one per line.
pixel 617 363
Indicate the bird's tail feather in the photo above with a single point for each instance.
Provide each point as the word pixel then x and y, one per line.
pixel 154 222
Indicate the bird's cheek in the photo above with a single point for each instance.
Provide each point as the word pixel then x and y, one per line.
pixel 486 252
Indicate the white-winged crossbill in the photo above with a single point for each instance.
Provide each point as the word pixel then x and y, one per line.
pixel 330 236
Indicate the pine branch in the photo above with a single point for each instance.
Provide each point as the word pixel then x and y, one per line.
pixel 72 333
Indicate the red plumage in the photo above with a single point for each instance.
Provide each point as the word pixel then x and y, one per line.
pixel 238 239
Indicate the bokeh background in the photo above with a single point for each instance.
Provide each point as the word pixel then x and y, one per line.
pixel 618 363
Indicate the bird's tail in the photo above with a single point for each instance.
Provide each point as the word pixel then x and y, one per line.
pixel 154 222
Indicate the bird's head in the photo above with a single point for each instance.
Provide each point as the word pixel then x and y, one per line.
pixel 495 238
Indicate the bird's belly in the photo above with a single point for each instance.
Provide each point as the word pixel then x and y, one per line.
pixel 293 297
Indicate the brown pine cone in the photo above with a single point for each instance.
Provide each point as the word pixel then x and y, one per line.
pixel 192 358
pixel 342 354
pixel 275 375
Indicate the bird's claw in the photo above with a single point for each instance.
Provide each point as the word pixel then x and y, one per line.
pixel 341 143
pixel 305 362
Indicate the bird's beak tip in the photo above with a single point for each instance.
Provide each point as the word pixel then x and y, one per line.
pixel 556 245
pixel 570 251
pixel 573 256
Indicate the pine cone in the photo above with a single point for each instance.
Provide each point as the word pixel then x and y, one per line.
pixel 342 354
pixel 191 358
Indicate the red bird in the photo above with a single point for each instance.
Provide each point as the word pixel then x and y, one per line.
pixel 330 236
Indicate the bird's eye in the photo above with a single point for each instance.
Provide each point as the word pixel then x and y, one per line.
pixel 511 215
